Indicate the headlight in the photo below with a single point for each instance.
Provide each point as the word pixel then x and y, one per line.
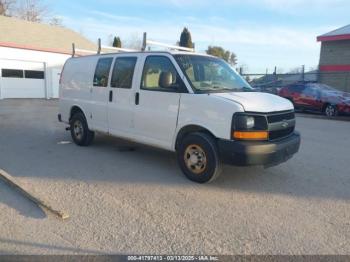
pixel 250 122
pixel 249 127
pixel 243 122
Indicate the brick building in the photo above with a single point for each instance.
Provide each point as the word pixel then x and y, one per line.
pixel 335 58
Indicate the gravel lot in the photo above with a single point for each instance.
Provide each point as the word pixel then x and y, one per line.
pixel 125 202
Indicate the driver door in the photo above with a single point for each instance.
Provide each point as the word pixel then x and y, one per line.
pixel 157 102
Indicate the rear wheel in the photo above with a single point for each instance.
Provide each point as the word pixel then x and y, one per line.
pixel 198 157
pixel 331 110
pixel 79 129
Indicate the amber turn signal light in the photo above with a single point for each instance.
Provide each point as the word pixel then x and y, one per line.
pixel 260 135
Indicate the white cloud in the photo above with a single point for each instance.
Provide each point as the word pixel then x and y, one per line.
pixel 117 18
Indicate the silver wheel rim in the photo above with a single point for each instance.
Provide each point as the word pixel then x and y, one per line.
pixel 330 111
pixel 195 159
pixel 78 129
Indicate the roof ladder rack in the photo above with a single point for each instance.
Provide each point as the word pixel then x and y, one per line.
pixel 118 49
pixel 75 51
pixel 145 43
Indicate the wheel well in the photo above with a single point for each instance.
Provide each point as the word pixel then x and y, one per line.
pixel 190 129
pixel 74 110
pixel 324 106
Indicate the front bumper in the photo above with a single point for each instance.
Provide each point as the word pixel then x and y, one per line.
pixel 265 153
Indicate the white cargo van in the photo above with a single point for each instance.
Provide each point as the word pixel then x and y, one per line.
pixel 195 105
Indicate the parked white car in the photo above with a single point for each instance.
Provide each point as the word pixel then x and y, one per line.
pixel 195 105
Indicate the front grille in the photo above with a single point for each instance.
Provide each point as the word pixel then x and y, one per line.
pixel 280 117
pixel 281 133
pixel 280 124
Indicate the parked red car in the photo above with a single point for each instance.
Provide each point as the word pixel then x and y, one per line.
pixel 317 97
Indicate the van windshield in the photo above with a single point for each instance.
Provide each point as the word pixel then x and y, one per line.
pixel 211 75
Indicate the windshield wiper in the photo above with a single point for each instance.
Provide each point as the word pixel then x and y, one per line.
pixel 248 89
pixel 218 88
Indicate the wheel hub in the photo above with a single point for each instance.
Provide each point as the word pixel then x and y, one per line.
pixel 78 129
pixel 195 159
pixel 330 111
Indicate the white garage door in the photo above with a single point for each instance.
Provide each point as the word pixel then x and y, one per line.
pixel 22 79
pixel 56 74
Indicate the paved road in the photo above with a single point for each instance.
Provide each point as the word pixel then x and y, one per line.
pixel 124 202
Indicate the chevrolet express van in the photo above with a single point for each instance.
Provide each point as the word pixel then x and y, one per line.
pixel 195 105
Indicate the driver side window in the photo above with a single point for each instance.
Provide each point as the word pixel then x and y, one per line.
pixel 159 74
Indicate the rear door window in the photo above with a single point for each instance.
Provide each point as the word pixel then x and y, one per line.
pixel 102 72
pixel 123 72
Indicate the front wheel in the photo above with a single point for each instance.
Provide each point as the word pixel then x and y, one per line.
pixel 331 110
pixel 79 129
pixel 198 158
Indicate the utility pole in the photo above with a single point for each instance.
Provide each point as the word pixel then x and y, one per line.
pixel 303 73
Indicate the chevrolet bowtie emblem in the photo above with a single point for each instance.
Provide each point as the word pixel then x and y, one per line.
pixel 285 124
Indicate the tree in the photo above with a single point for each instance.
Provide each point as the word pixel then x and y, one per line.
pixel 233 59
pixel 31 10
pixel 186 39
pixel 133 42
pixel 218 51
pixel 56 21
pixel 117 42
pixel 6 7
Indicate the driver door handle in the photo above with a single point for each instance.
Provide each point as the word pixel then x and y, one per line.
pixel 110 96
pixel 137 98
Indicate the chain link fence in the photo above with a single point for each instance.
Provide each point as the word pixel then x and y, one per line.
pixel 272 82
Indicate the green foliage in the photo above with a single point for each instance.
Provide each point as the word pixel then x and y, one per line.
pixel 186 39
pixel 218 51
pixel 117 42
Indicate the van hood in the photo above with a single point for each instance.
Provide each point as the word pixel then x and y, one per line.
pixel 257 102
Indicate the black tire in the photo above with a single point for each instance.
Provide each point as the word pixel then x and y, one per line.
pixel 79 130
pixel 199 149
pixel 330 110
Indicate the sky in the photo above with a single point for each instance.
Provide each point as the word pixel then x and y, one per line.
pixel 262 33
